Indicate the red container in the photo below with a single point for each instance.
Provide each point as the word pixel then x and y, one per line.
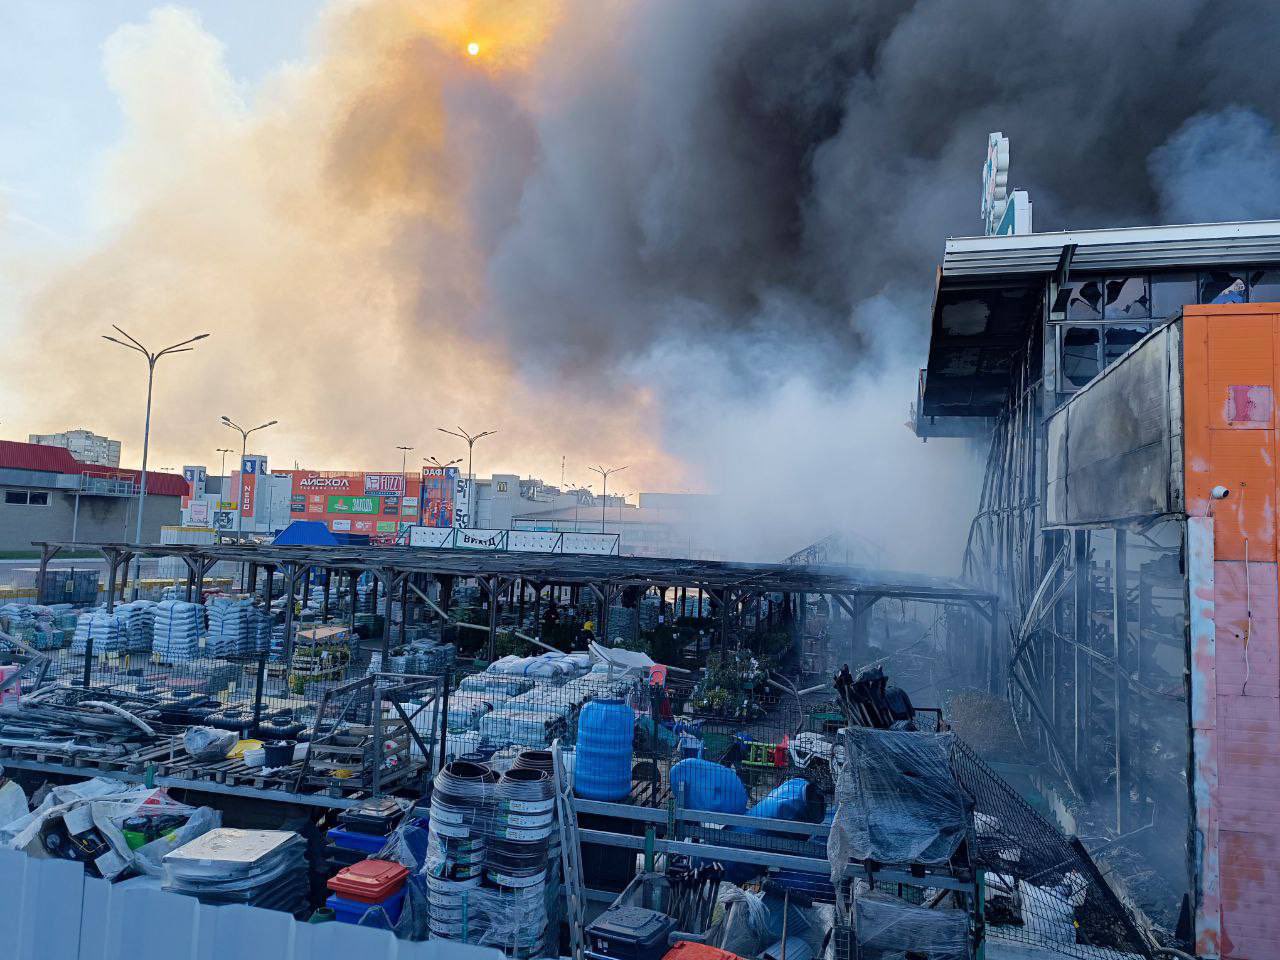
pixel 688 950
pixel 369 881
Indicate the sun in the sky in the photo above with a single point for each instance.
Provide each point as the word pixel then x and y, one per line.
pixel 473 48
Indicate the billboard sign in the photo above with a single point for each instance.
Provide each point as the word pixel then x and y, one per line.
pixel 480 539
pixel 224 520
pixel 353 505
pixel 248 487
pixel 439 498
pixel 430 536
pixel 520 541
pixel 198 512
pixel 533 541
pixel 340 526
pixel 388 483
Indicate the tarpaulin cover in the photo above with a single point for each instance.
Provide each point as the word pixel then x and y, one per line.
pixel 891 929
pixel 898 802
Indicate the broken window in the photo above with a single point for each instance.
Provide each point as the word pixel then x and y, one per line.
pixel 1119 340
pixel 1126 298
pixel 1080 300
pixel 1080 360
pixel 1170 292
pixel 1214 283
pixel 1264 286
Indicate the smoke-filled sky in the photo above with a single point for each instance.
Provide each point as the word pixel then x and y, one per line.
pixel 695 238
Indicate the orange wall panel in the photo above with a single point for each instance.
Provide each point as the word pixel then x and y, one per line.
pixel 1231 369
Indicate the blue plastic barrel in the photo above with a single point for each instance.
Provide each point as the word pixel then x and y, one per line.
pixel 794 799
pixel 703 785
pixel 602 767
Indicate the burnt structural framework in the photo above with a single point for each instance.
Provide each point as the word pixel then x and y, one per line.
pixel 1061 355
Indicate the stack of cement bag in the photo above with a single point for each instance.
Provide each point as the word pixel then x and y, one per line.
pixel 139 617
pixel 176 634
pixel 106 631
pixel 260 631
pixel 229 623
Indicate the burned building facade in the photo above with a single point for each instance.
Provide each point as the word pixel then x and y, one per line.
pixel 1123 383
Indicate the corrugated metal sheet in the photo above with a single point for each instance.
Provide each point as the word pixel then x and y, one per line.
pixel 52 911
pixel 1126 248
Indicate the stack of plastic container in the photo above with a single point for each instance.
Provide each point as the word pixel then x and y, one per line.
pixel 106 630
pixel 228 627
pixel 516 861
pixel 369 892
pixel 176 632
pixel 259 868
pixel 461 820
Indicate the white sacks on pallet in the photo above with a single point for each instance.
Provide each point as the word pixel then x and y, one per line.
pixel 105 630
pixel 176 633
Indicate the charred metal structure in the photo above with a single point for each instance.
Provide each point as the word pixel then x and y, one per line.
pixel 1115 409
pixel 401 571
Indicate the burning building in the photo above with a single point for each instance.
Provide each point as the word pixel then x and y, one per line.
pixel 1125 380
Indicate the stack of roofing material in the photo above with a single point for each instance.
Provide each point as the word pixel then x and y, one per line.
pixel 491 683
pixel 258 868
pixel 105 630
pixel 139 618
pixel 466 709
pixel 176 634
pixel 530 728
pixel 229 621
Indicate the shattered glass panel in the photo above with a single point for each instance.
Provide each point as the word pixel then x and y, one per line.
pixel 1264 286
pixel 1127 298
pixel 1080 300
pixel 1120 338
pixel 1170 292
pixel 1080 362
pixel 1215 282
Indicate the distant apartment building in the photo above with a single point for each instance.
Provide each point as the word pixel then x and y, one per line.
pixel 85 445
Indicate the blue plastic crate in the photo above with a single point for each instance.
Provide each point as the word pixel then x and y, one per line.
pixel 367 843
pixel 353 911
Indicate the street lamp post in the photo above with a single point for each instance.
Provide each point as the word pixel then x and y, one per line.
pixel 151 358
pixel 436 463
pixel 224 451
pixel 244 452
pixel 471 442
pixel 577 502
pixel 604 496
pixel 404 483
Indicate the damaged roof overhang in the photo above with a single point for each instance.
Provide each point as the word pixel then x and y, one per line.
pixel 979 327
pixel 990 289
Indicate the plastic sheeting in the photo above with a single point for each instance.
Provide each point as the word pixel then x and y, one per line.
pixel 890 929
pixel 898 801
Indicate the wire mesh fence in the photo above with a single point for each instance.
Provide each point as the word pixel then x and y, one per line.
pixel 1043 888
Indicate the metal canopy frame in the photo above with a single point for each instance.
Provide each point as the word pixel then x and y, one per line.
pixel 594 572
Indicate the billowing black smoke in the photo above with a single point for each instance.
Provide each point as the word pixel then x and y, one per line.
pixel 762 168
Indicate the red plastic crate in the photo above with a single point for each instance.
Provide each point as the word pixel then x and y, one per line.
pixel 688 950
pixel 369 881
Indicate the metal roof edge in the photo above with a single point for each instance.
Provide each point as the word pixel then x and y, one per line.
pixel 1139 234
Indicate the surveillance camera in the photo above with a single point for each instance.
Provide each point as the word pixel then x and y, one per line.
pixel 1219 492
